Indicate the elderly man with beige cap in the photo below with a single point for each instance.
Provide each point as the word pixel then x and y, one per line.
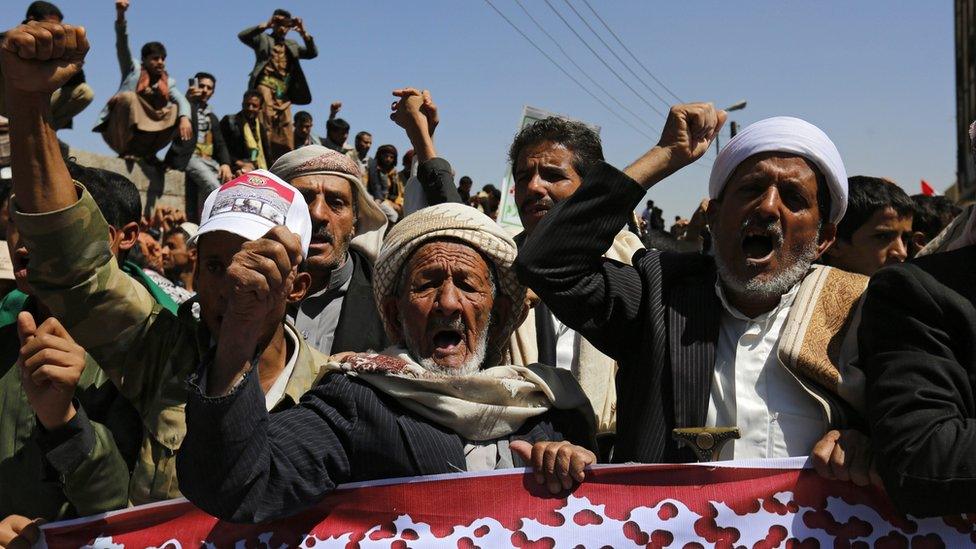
pixel 436 401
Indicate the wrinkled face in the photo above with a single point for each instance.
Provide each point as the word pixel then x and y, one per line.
pixel 176 255
pixel 330 203
pixel 251 107
pixel 882 240
pixel 544 175
pixel 766 225
pixel 303 130
pixel 386 159
pixel 363 143
pixel 19 256
pixel 154 65
pixel 444 307
pixel 206 89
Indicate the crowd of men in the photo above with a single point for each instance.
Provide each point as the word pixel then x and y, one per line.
pixel 320 317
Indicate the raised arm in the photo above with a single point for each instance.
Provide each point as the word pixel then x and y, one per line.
pixel 81 453
pixel 562 259
pixel 416 112
pixel 122 50
pixel 72 268
pixel 308 50
pixel 250 35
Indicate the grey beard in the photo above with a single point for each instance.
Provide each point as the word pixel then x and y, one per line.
pixel 770 286
pixel 470 366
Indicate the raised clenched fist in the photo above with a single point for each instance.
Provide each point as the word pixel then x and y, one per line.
pixel 39 57
pixel 689 131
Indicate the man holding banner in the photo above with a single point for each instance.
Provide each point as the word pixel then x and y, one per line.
pixel 736 348
pixel 435 402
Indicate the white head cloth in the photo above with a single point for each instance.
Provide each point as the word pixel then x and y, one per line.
pixel 789 135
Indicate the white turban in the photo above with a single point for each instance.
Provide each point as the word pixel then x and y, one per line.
pixel 453 222
pixel 789 135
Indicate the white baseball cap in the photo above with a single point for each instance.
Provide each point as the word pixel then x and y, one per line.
pixel 254 203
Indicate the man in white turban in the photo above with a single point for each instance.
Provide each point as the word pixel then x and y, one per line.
pixel 732 355
pixel 434 402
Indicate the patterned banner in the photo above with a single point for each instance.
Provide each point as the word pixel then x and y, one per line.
pixel 774 504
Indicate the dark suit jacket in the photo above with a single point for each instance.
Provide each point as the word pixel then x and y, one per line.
pixel 360 327
pixel 241 464
pixel 232 131
pixel 180 151
pixel 262 43
pixel 659 319
pixel 918 341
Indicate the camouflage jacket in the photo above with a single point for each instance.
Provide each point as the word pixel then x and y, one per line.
pixel 73 471
pixel 147 351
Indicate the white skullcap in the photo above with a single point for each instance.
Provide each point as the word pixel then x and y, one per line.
pixel 789 135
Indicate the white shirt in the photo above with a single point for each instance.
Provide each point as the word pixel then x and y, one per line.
pixel 751 389
pixel 566 345
pixel 277 390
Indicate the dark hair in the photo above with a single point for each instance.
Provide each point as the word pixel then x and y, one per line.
pixel 115 195
pixel 465 180
pixel 281 12
pixel 866 195
pixel 363 134
pixel 150 49
pixel 337 124
pixel 252 93
pixel 579 138
pixel 201 75
pixel 932 214
pixel 302 117
pixel 386 148
pixel 40 10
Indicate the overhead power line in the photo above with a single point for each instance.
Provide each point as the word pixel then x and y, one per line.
pixel 617 57
pixel 635 58
pixel 564 71
pixel 602 60
pixel 583 71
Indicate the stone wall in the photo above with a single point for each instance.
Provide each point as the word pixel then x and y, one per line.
pixel 155 188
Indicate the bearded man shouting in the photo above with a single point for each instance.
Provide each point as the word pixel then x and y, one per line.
pixel 739 345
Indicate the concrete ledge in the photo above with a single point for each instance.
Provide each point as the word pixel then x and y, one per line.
pixel 155 188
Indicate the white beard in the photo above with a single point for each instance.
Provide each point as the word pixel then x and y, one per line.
pixel 770 286
pixel 470 366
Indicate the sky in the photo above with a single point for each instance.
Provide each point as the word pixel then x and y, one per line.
pixel 877 76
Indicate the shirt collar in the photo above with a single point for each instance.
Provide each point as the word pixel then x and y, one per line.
pixel 338 279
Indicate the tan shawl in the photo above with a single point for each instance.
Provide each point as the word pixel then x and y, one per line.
pixel 819 338
pixel 493 403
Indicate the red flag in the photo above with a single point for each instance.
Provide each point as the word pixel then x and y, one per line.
pixel 927 189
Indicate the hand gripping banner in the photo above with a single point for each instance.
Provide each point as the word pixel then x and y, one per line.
pixel 774 503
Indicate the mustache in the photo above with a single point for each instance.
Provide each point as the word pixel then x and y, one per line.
pixel 440 323
pixel 771 229
pixel 544 201
pixel 324 235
